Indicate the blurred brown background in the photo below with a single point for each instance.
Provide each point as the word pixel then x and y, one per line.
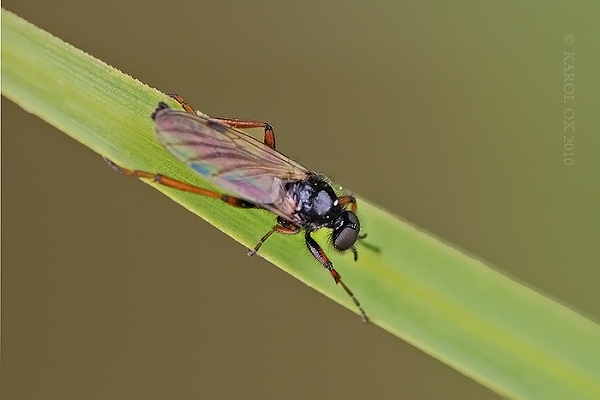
pixel 450 116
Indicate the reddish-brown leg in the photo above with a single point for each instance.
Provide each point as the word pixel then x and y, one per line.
pixel 184 104
pixel 186 187
pixel 320 255
pixel 269 138
pixel 283 226
pixel 345 200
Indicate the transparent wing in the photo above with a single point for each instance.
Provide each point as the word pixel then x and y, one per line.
pixel 235 161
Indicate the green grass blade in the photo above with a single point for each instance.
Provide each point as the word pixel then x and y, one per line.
pixel 492 329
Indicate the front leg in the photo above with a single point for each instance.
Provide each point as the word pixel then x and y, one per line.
pixel 345 200
pixel 320 255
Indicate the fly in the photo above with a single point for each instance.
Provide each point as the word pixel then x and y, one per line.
pixel 255 175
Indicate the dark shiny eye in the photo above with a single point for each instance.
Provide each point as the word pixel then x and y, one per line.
pixel 346 231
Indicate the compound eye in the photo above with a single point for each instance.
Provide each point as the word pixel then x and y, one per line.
pixel 346 234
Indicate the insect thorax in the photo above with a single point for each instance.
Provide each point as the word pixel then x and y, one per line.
pixel 316 202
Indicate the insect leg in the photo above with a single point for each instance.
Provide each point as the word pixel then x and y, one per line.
pixel 345 200
pixel 186 187
pixel 320 255
pixel 282 226
pixel 269 138
pixel 184 104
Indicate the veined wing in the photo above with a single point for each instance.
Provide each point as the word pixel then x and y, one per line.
pixel 235 161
